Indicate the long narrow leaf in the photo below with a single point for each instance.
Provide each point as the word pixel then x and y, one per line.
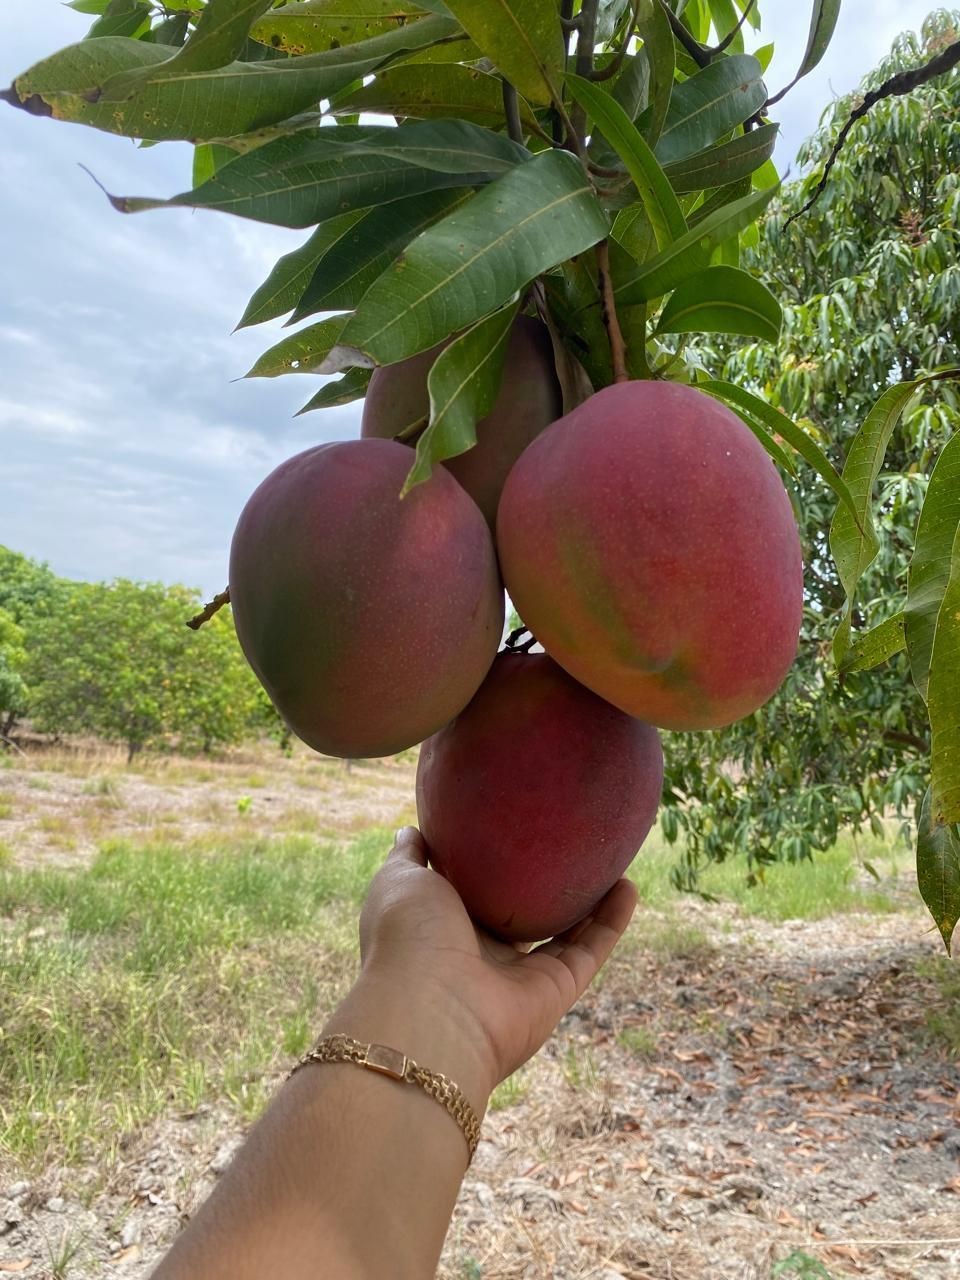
pixel 463 383
pixel 938 869
pixel 303 352
pixel 853 541
pixel 943 701
pixel 709 104
pixel 352 386
pixel 722 299
pixel 653 27
pixel 475 260
pixel 311 26
pixel 691 253
pixel 282 289
pixel 525 42
pixel 718 166
pixel 931 563
pixel 876 646
pixel 662 206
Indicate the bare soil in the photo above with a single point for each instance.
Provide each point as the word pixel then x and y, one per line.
pixel 704 1113
pixel 789 1105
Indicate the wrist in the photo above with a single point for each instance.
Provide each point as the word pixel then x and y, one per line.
pixel 425 1023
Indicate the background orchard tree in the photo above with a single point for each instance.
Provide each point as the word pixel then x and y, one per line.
pixel 869 279
pixel 603 165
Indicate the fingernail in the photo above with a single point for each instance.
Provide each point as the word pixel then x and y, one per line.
pixel 399 834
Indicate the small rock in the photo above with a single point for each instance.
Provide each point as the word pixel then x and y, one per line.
pixel 951 1144
pixel 221 1161
pixel 56 1204
pixel 130 1235
pixel 18 1189
pixel 533 1196
pixel 484 1193
pixel 10 1215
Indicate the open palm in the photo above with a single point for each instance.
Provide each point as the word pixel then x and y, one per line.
pixel 414 922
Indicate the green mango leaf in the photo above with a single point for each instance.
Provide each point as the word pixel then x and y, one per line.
pixel 932 562
pixel 722 299
pixel 284 286
pixel 302 352
pixel 609 13
pixel 219 37
pixel 200 106
pixel 876 646
pixel 208 158
pixel 313 175
pixel 823 20
pixel 853 538
pixel 938 869
pixel 721 165
pixel 633 230
pixel 121 18
pixel 365 249
pixel 463 383
pixel 89 6
pixel 691 253
pixel 719 199
pixel 663 209
pixel 475 260
pixel 455 49
pixel 316 25
pixel 424 92
pixel 352 386
pixel 710 104
pixel 943 700
pixel 764 55
pixel 524 42
pixel 653 27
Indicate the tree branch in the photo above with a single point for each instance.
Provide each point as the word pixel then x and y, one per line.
pixel 586 38
pixel 511 109
pixel 907 739
pixel 208 610
pixel 732 35
pixel 608 312
pixel 902 83
pixel 616 62
pixel 697 52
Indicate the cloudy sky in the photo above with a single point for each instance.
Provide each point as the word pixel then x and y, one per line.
pixel 127 448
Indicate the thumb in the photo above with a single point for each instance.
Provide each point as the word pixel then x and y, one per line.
pixel 408 846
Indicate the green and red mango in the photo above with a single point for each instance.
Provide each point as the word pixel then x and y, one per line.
pixel 536 798
pixel 370 620
pixel 647 540
pixel 529 400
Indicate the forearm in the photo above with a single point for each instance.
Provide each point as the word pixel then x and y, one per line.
pixel 349 1174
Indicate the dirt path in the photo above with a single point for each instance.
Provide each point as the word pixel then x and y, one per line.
pixel 705 1113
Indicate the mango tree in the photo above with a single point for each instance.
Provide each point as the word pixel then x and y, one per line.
pixel 597 167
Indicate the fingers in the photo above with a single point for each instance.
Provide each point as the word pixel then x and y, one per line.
pixel 409 846
pixel 585 947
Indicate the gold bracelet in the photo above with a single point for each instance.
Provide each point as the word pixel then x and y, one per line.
pixel 391 1062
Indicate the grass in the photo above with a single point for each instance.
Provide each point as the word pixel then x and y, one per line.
pixel 6 808
pixel 509 1092
pixel 829 885
pixel 942 1021
pixel 166 976
pixel 640 1041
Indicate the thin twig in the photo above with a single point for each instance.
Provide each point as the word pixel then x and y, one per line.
pixel 902 83
pixel 732 35
pixel 697 52
pixel 511 109
pixel 208 610
pixel 608 312
pixel 586 38
pixel 616 62
pixel 567 22
pixel 9 742
pixel 412 429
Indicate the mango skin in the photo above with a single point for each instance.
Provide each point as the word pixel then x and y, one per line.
pixel 369 620
pixel 536 798
pixel 528 401
pixel 648 542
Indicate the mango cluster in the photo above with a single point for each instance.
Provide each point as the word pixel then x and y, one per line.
pixel 648 543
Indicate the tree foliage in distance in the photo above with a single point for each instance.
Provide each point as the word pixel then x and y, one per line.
pixel 870 285
pixel 116 662
pixel 602 163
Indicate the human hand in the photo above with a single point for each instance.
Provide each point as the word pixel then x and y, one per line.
pixel 415 932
